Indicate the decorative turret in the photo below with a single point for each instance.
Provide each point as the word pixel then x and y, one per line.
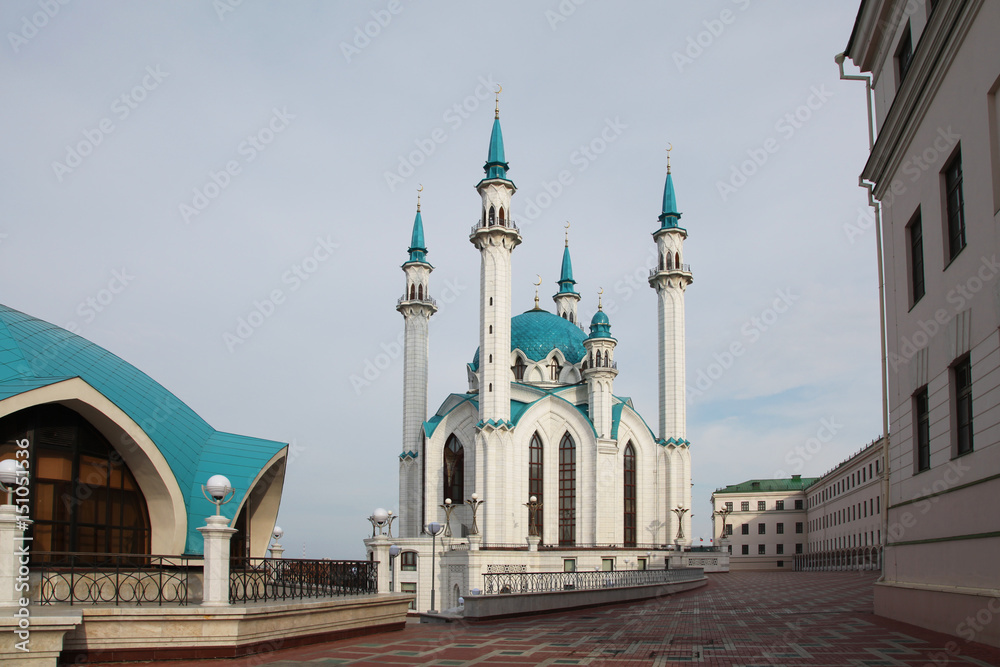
pixel 416 307
pixel 600 370
pixel 566 298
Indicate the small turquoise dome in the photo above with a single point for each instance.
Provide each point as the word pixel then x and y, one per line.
pixel 538 332
pixel 600 325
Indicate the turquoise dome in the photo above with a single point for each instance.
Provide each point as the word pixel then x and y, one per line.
pixel 538 332
pixel 600 326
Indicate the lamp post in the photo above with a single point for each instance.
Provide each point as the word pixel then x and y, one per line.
pixel 474 503
pixel 217 534
pixel 723 514
pixel 680 512
pixel 276 549
pixel 218 491
pixel 533 506
pixel 379 518
pixel 11 475
pixel 388 523
pixel 448 509
pixel 393 552
pixel 434 528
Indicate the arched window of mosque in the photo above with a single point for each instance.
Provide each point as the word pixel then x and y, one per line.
pixel 501 215
pixel 567 491
pixel 607 362
pixel 491 301
pixel 554 369
pixel 83 496
pixel 413 292
pixel 420 292
pixel 661 262
pixel 677 260
pixel 493 215
pixel 491 328
pixel 536 460
pixel 454 469
pixel 572 318
pixel 519 368
pixel 629 495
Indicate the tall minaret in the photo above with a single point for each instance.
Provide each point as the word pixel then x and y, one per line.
pixel 670 279
pixel 495 236
pixel 599 371
pixel 416 306
pixel 566 298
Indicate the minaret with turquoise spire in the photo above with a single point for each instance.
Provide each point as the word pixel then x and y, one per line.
pixel 416 307
pixel 495 236
pixel 566 298
pixel 670 279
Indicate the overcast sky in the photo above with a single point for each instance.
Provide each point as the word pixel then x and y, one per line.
pixel 202 158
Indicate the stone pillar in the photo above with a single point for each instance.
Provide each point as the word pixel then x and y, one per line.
pixel 217 535
pixel 277 551
pixel 533 541
pixel 474 542
pixel 380 552
pixel 8 559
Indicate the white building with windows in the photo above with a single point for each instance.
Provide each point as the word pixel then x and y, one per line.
pixel 540 419
pixel 934 68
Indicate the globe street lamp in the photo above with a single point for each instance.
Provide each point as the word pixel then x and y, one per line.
pixel 448 509
pixel 378 519
pixel 533 506
pixel 434 529
pixel 723 514
pixel 218 491
pixel 11 475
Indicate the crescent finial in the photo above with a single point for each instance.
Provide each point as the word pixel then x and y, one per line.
pixel 539 280
pixel 498 91
pixel 670 147
pixel 421 188
pixel 600 290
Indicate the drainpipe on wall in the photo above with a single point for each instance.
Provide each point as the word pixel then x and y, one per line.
pixel 877 208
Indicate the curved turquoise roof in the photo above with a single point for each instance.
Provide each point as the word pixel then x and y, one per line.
pixel 538 332
pixel 417 249
pixel 566 281
pixel 670 216
pixel 600 325
pixel 34 354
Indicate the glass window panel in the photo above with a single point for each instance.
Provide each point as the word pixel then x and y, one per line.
pixel 54 465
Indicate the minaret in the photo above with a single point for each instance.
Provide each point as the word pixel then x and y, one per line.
pixel 566 298
pixel 416 306
pixel 599 372
pixel 495 236
pixel 670 279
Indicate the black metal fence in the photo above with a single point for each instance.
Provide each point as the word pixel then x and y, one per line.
pixel 545 582
pixel 259 579
pixel 96 578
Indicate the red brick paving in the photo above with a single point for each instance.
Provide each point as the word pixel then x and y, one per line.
pixel 749 619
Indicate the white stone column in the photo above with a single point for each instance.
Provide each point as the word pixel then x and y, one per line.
pixel 277 551
pixel 380 552
pixel 217 535
pixel 8 559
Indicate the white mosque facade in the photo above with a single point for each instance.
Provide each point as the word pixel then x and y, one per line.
pixel 540 420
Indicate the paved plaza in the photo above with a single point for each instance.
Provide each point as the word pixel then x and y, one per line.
pixel 740 618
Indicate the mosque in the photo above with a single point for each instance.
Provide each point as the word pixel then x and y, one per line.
pixel 539 423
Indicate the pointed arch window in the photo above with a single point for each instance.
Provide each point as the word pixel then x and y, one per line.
pixel 519 368
pixel 607 359
pixel 535 475
pixel 677 260
pixel 454 470
pixel 554 370
pixel 420 292
pixel 501 215
pixel 567 491
pixel 629 496
pixel 413 292
pixel 493 216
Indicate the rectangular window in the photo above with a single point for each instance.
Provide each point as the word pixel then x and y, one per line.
pixel 922 429
pixel 761 505
pixel 760 549
pixel 904 53
pixel 745 529
pixel 729 529
pixel 798 548
pixel 729 506
pixel 408 561
pixel 746 550
pixel 781 563
pixel 760 529
pixel 409 587
pixel 780 529
pixel 962 373
pixel 798 526
pixel 781 549
pixel 779 504
pixel 745 506
pixel 569 565
pixel 798 504
pixel 955 200
pixel 642 564
pixel 607 564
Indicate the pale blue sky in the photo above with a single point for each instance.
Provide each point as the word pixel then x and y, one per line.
pixel 723 81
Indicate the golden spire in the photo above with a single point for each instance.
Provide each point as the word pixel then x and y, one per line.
pixel 600 297
pixel 419 190
pixel 567 233
pixel 539 282
pixel 670 147
pixel 498 91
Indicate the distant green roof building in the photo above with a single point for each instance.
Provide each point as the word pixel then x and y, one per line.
pixel 794 483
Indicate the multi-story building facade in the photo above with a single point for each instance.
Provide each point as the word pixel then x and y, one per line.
pixel 934 70
pixel 765 522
